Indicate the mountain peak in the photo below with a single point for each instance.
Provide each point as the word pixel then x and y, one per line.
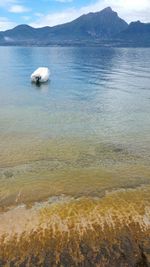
pixel 107 9
pixel 135 22
pixel 23 27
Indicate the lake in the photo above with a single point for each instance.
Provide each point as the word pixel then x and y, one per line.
pixel 74 149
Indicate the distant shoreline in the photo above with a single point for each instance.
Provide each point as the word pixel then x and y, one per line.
pixel 113 45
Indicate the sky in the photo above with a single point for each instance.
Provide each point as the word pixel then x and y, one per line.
pixel 39 13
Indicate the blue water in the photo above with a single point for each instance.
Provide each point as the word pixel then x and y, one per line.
pixel 95 92
pixel 93 115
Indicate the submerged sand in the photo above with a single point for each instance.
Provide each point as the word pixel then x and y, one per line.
pixel 73 203
pixel 110 231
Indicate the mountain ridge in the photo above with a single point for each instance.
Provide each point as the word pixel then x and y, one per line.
pixel 104 27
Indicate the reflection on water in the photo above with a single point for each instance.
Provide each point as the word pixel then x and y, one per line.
pixel 81 135
pixel 43 87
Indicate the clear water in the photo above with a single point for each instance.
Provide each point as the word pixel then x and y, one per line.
pixel 93 92
pixel 92 116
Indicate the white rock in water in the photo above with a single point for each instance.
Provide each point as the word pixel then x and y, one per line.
pixel 40 75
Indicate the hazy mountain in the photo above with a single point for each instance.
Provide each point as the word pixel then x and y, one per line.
pixel 100 28
pixel 137 33
pixel 24 34
pixel 103 25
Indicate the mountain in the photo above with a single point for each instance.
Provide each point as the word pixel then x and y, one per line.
pixel 137 34
pixel 100 26
pixel 103 28
pixel 24 34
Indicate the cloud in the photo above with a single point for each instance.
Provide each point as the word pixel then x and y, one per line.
pixel 55 18
pixel 18 9
pixel 26 18
pixel 5 3
pixel 130 10
pixel 5 24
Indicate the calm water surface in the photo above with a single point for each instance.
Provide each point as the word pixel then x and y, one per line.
pixel 93 93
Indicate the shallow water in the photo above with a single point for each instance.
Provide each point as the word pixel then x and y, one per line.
pixel 78 137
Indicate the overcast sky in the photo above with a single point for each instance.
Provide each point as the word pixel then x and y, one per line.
pixel 38 13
